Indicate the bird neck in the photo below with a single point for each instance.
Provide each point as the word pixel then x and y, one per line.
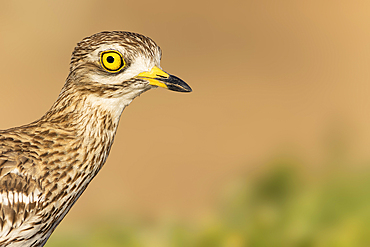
pixel 88 120
pixel 90 124
pixel 84 113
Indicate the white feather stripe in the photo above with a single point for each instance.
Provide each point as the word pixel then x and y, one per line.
pixel 10 197
pixel 35 197
pixel 16 197
pixel 26 199
pixel 5 201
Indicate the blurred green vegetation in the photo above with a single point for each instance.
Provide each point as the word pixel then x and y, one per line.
pixel 280 206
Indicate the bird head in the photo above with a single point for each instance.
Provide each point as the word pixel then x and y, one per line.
pixel 116 64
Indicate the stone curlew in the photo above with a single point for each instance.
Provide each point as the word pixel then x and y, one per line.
pixel 46 165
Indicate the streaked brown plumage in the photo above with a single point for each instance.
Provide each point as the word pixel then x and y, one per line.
pixel 46 165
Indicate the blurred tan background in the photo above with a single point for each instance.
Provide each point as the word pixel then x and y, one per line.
pixel 269 78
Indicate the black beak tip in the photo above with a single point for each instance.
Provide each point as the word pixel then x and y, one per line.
pixel 176 84
pixel 184 88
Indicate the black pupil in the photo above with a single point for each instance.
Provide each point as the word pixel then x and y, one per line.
pixel 110 59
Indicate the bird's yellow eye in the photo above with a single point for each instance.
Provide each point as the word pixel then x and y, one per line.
pixel 112 61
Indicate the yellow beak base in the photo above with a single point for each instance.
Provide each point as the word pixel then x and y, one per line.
pixel 158 77
pixel 152 76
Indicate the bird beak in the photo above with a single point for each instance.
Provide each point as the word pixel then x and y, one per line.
pixel 158 77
